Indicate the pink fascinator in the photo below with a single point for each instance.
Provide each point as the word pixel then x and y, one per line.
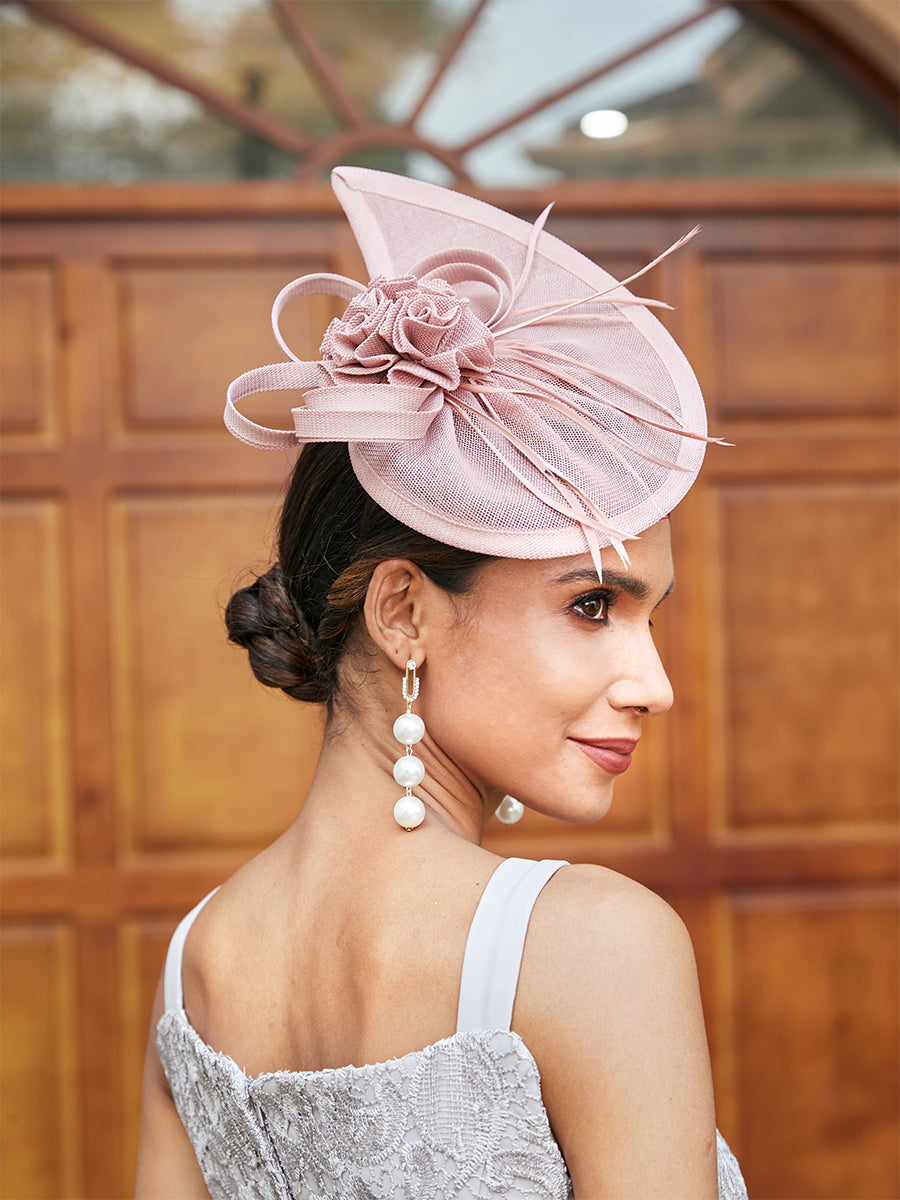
pixel 498 391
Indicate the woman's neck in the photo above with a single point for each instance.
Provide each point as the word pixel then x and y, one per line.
pixel 353 792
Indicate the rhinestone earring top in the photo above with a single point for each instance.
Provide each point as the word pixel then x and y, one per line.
pixel 409 729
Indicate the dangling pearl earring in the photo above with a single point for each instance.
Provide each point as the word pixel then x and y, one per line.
pixel 510 810
pixel 409 811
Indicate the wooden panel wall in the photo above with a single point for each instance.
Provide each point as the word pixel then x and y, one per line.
pixel 141 759
pixel 143 764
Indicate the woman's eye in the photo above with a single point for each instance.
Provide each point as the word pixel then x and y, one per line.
pixel 595 608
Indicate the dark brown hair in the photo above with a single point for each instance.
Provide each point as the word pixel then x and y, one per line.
pixel 296 619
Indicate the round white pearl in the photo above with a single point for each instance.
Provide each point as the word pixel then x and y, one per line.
pixel 510 810
pixel 409 729
pixel 409 770
pixel 409 812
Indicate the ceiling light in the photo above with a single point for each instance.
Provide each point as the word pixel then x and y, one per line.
pixel 604 123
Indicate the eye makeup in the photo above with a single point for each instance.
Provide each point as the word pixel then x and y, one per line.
pixel 594 606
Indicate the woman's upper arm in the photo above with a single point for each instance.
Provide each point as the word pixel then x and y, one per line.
pixel 610 1008
pixel 167 1165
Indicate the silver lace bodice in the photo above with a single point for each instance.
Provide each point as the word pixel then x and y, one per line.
pixel 462 1118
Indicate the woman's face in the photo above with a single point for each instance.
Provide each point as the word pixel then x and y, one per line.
pixel 541 690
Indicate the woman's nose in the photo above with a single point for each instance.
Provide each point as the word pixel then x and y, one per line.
pixel 643 684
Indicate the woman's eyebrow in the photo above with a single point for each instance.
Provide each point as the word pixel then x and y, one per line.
pixel 625 583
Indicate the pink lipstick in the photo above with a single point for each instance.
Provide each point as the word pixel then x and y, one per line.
pixel 613 755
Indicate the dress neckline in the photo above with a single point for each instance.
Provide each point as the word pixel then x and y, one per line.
pixel 488 982
pixel 181 1018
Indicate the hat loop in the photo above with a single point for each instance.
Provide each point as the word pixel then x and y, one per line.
pixel 480 278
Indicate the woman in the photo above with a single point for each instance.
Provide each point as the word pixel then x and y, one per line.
pixel 476 548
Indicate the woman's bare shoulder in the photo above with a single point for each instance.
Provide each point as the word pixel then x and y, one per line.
pixel 226 929
pixel 609 1005
pixel 595 937
pixel 590 907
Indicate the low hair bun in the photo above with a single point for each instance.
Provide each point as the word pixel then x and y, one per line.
pixel 264 619
pixel 299 619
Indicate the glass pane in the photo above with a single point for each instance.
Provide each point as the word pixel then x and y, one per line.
pixel 521 50
pixel 71 111
pixel 724 97
pixel 240 46
pixel 377 45
pixel 727 96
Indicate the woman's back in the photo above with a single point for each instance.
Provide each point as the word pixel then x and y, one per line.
pixel 461 1116
pixel 454 1101
pixel 353 958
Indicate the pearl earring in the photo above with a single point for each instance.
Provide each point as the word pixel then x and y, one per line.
pixel 510 810
pixel 409 811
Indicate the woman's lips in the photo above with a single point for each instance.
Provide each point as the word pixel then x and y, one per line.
pixel 611 754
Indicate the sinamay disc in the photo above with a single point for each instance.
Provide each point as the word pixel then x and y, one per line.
pixel 498 391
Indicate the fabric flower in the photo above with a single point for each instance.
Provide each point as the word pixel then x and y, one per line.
pixel 409 333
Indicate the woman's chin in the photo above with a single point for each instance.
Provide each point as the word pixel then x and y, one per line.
pixel 597 813
pixel 579 810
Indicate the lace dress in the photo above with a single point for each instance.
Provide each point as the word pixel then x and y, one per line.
pixel 461 1119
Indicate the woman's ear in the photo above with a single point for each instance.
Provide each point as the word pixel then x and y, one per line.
pixel 395 610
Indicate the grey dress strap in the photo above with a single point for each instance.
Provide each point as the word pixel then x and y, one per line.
pixel 490 973
pixel 172 989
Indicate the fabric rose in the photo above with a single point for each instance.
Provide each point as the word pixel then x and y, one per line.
pixel 408 333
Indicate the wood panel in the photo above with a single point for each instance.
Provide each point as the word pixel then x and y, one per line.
pixel 266 201
pixel 810 673
pixel 39 1063
pixel 28 325
pixel 207 757
pixel 816 1043
pixel 33 715
pixel 175 362
pixel 804 337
